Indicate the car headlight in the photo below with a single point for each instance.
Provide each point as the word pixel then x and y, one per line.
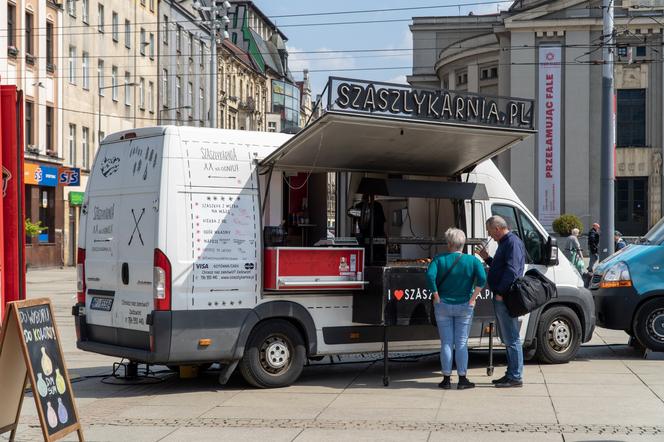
pixel 616 276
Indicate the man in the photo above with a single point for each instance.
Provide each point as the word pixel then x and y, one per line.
pixel 363 211
pixel 505 267
pixel 593 246
pixel 618 241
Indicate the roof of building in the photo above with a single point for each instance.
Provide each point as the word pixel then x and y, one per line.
pixel 257 10
pixel 240 55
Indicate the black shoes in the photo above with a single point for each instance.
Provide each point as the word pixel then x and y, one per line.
pixel 508 383
pixel 464 383
pixel 499 380
pixel 446 384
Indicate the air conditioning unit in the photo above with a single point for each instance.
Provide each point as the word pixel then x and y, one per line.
pixel 643 4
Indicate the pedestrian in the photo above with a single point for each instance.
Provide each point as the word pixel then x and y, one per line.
pixel 455 279
pixel 593 246
pixel 573 250
pixel 618 241
pixel 505 267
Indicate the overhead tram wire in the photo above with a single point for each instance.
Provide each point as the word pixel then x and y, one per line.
pixel 108 26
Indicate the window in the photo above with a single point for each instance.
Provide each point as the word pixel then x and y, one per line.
pixel 202 56
pixel 201 104
pixel 151 96
pixel 190 97
pixel 141 93
pixel 100 17
pixel 178 91
pixel 11 25
pixel 100 76
pixel 631 118
pixel 640 51
pixel 49 129
pixel 631 205
pixel 85 65
pixel 164 88
pixel 151 46
pixel 622 51
pixel 271 126
pixel 72 144
pixel 164 30
pixel 29 123
pixel 85 135
pixel 127 30
pixel 127 88
pixel 178 38
pixel 85 11
pixel 114 83
pixel 152 5
pixel 49 47
pixel 115 27
pixel 72 64
pixel 71 7
pixel 144 42
pixel 521 226
pixel 29 35
pixel 190 42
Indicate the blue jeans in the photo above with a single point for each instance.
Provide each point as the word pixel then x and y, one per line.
pixel 453 322
pixel 509 334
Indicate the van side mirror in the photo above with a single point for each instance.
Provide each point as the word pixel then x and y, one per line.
pixel 551 252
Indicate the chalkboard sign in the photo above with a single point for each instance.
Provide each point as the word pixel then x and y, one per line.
pixel 33 324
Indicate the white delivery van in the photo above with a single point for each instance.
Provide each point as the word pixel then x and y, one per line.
pixel 173 268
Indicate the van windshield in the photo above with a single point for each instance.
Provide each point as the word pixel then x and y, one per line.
pixel 655 235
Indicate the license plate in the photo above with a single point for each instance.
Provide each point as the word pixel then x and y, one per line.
pixel 103 304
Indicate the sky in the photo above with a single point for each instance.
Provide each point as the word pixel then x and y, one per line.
pixel 394 38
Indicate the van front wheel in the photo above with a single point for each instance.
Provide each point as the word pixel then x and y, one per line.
pixel 558 335
pixel 649 325
pixel 274 356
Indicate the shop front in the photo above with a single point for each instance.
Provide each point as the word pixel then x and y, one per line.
pixel 43 206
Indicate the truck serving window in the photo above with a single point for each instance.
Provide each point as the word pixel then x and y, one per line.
pixel 519 223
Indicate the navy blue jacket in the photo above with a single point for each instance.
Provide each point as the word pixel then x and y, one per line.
pixel 507 264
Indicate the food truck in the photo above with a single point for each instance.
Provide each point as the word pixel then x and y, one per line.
pixel 207 245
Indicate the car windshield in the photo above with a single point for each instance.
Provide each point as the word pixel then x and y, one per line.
pixel 655 235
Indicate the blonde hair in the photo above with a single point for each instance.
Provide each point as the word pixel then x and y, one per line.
pixel 455 238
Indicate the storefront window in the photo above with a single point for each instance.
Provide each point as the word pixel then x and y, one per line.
pixel 40 206
pixel 286 101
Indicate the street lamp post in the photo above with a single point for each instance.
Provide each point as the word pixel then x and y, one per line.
pixel 99 104
pixel 213 11
pixel 172 108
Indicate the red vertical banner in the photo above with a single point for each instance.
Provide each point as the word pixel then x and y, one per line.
pixel 13 228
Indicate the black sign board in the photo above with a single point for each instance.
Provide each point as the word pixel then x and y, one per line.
pixel 395 100
pixel 29 329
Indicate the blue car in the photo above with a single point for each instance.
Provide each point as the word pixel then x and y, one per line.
pixel 628 288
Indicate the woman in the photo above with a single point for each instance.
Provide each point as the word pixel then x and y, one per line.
pixel 455 280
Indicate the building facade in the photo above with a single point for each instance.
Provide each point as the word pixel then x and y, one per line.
pixel 109 68
pixel 549 51
pixel 33 39
pixel 184 72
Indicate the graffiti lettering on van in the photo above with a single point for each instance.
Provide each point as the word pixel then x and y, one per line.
pixel 136 226
pixel 218 155
pixel 109 166
pixel 103 213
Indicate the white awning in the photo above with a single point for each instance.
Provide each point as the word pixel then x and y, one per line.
pixel 340 141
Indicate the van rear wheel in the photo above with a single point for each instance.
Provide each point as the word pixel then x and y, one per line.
pixel 274 356
pixel 558 335
pixel 649 325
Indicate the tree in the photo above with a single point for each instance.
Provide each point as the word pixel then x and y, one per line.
pixel 564 224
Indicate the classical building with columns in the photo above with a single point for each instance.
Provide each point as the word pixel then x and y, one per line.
pixel 550 51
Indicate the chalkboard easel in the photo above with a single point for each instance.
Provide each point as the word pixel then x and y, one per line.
pixel 30 352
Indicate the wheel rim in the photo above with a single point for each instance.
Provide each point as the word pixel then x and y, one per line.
pixel 655 325
pixel 559 335
pixel 275 354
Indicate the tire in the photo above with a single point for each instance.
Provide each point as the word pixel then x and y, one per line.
pixel 649 325
pixel 274 356
pixel 558 335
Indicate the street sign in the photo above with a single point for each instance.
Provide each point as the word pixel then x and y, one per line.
pixel 30 352
pixel 69 176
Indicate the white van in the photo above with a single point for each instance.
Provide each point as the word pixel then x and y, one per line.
pixel 171 263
